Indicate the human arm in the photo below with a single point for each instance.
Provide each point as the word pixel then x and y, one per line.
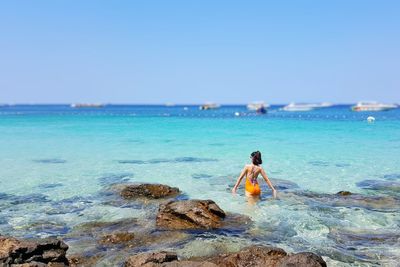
pixel 264 175
pixel 242 174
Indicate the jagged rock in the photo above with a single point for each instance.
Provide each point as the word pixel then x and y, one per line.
pixel 34 253
pixel 149 191
pixel 190 214
pixel 150 259
pixel 303 259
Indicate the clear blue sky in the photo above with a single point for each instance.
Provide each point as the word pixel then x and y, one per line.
pixel 194 51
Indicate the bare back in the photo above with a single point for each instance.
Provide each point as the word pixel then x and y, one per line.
pixel 252 172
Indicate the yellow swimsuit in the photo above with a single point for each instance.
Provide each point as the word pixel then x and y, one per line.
pixel 252 188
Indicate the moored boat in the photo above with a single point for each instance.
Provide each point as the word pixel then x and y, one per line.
pixel 83 105
pixel 208 106
pixel 372 106
pixel 257 105
pixel 298 107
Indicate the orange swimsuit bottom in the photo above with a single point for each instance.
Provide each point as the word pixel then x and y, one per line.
pixel 253 189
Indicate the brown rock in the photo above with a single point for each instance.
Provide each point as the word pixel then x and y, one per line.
pixel 117 238
pixel 150 259
pixel 343 193
pixel 254 256
pixel 303 259
pixel 150 191
pixel 190 214
pixel 251 256
pixel 83 260
pixel 189 264
pixel 33 253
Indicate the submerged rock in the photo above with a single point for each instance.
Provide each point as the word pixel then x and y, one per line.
pixel 388 186
pixel 150 191
pixel 281 184
pixel 50 161
pixel 150 259
pixel 33 253
pixel 95 238
pixel 346 199
pixel 190 214
pixel 117 238
pixel 356 237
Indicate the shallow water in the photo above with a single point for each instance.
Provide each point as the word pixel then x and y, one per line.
pixel 55 162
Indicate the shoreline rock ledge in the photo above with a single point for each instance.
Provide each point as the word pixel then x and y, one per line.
pixel 24 253
pixel 255 256
pixel 148 191
pixel 190 214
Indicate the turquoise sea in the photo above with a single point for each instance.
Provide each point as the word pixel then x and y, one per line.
pixel 56 160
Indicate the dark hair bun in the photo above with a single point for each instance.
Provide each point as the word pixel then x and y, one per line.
pixel 256 158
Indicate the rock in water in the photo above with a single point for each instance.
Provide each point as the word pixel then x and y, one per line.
pixel 190 214
pixel 252 256
pixel 117 238
pixel 150 191
pixel 343 193
pixel 33 253
pixel 151 259
pixel 303 259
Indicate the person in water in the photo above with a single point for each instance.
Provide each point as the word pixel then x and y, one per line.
pixel 251 171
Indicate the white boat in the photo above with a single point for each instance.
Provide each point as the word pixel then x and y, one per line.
pixel 208 106
pixel 80 105
pixel 298 107
pixel 322 105
pixel 257 105
pixel 169 104
pixel 372 106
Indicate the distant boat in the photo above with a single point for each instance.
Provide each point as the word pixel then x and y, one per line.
pixel 169 104
pixel 306 107
pixel 372 106
pixel 322 105
pixel 208 106
pixel 257 105
pixel 298 107
pixel 80 105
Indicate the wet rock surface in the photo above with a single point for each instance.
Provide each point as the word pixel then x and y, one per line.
pixel 33 253
pixel 117 238
pixel 256 256
pixel 252 256
pixel 151 259
pixel 150 191
pixel 190 214
pixel 303 259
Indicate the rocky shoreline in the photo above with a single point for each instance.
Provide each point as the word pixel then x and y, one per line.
pixel 175 225
pixel 176 221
